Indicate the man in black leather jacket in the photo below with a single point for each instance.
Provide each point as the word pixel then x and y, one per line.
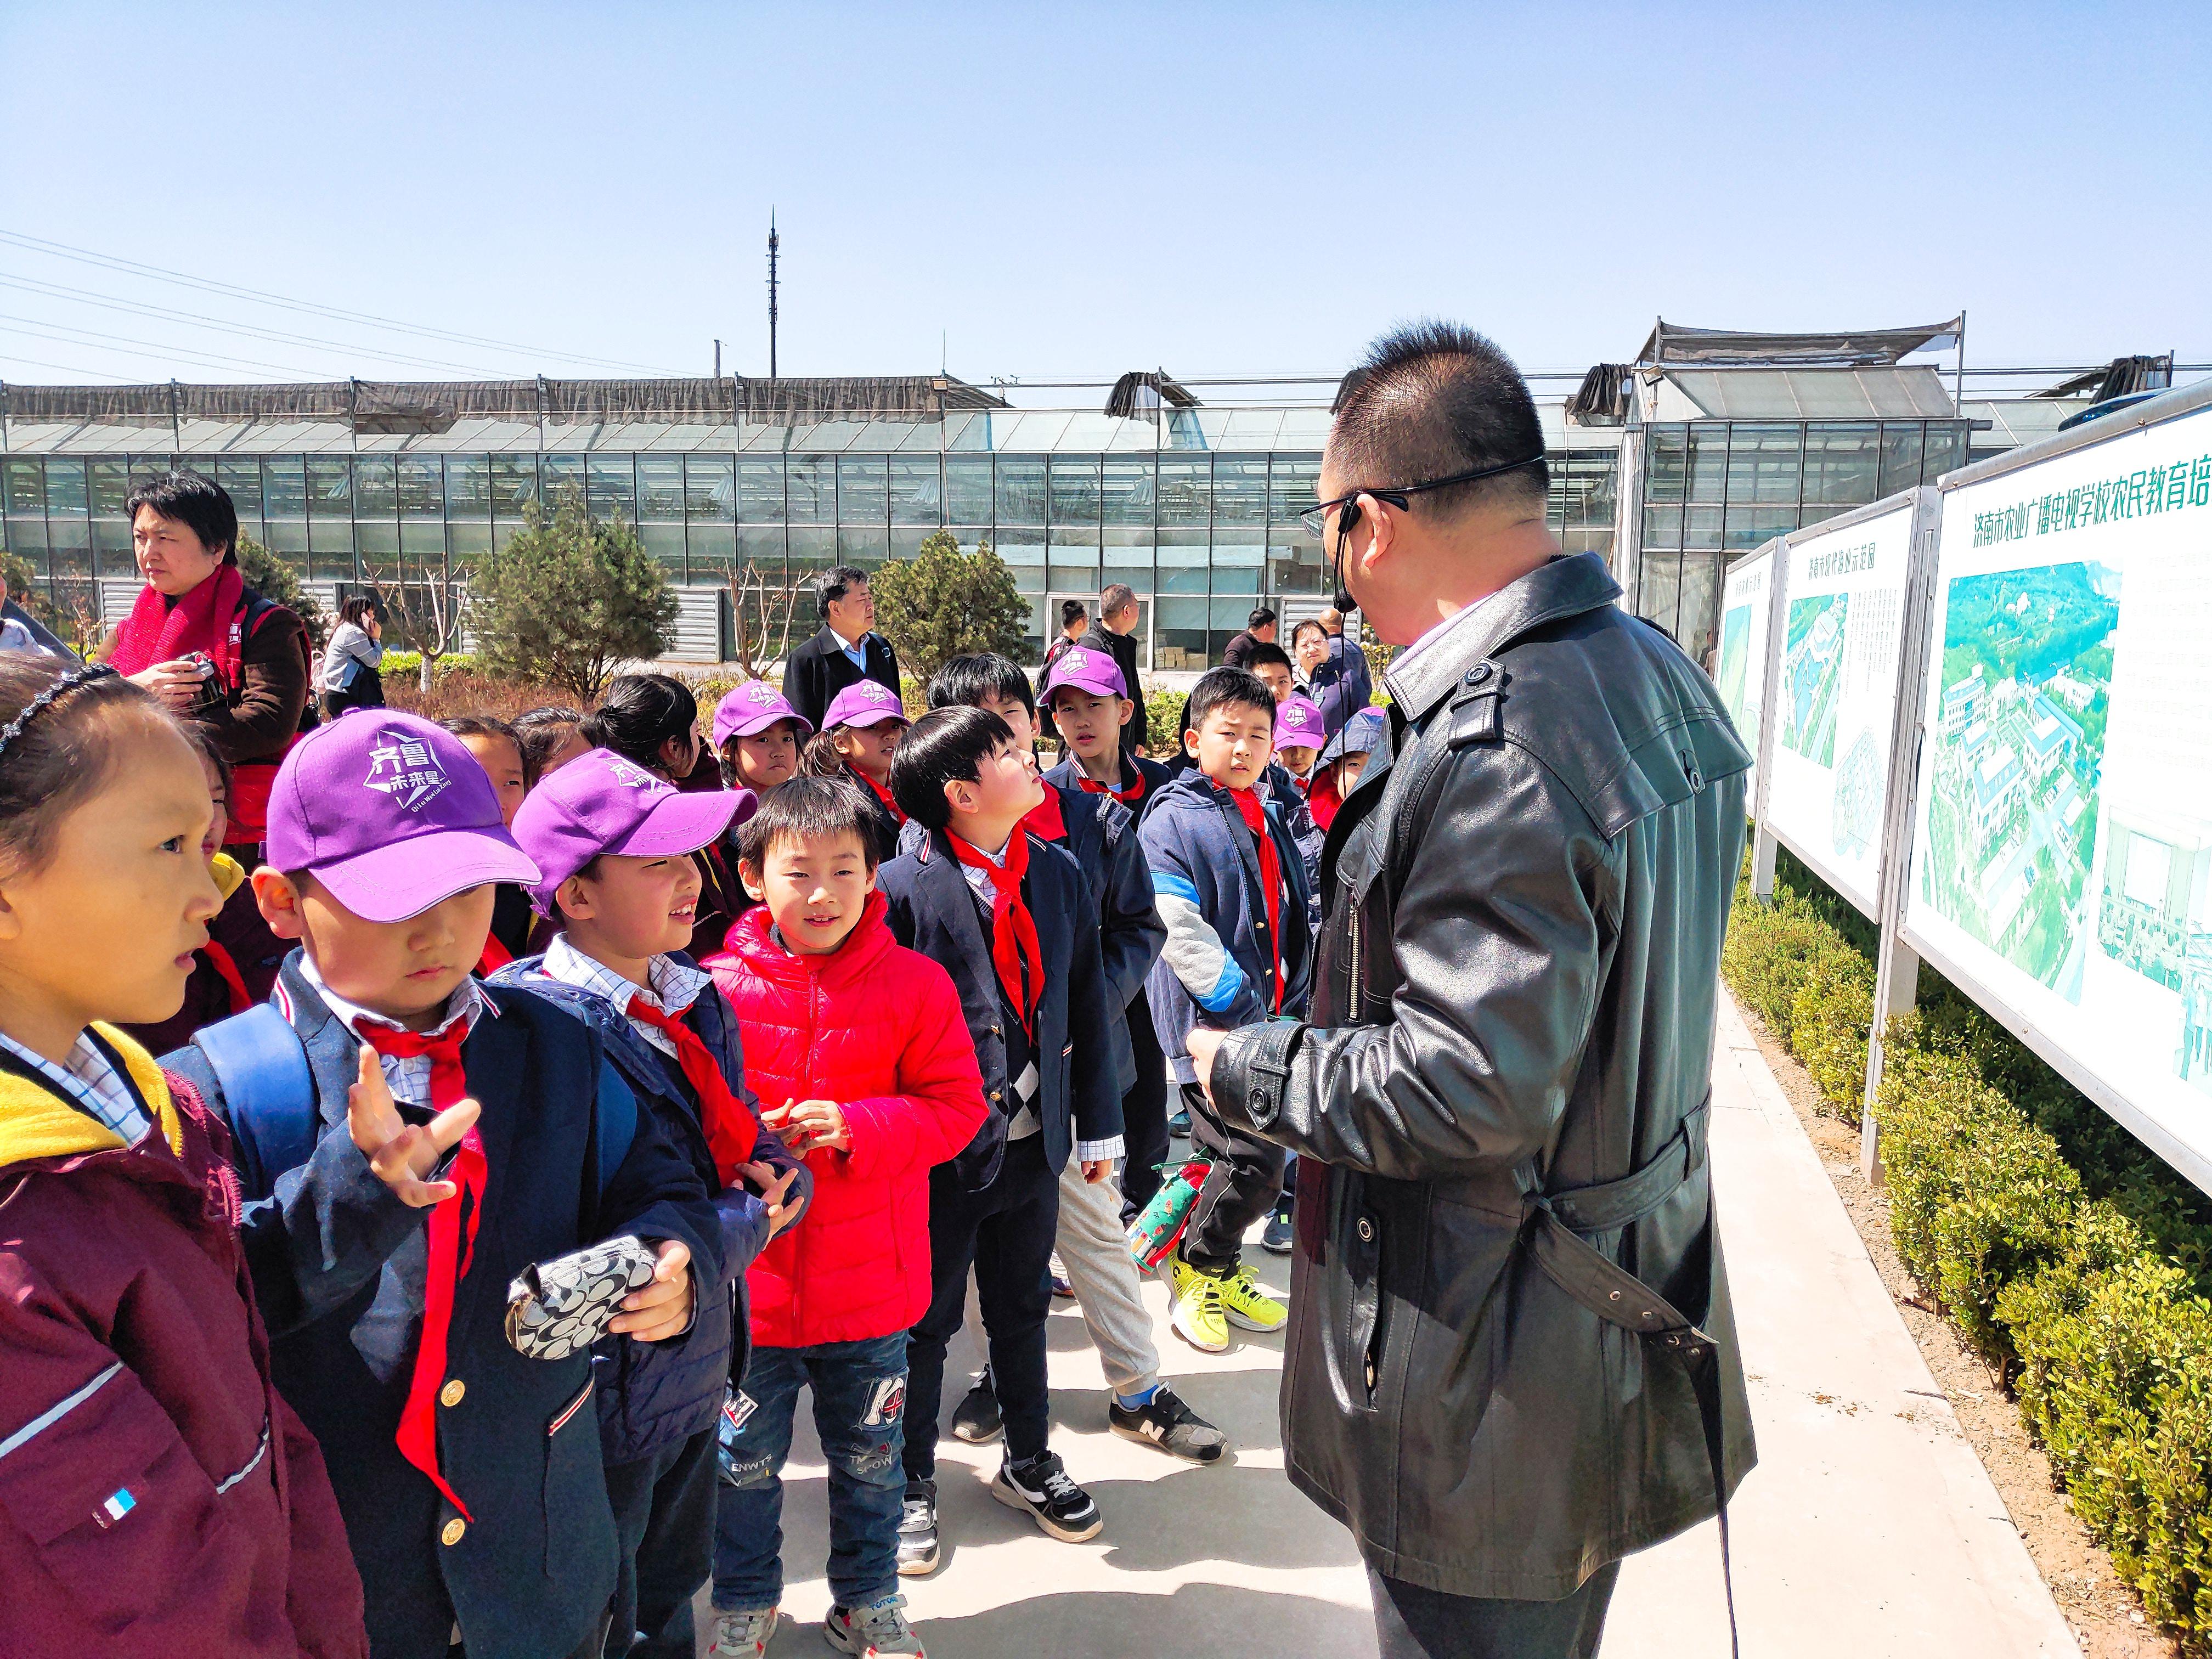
pixel 1511 1358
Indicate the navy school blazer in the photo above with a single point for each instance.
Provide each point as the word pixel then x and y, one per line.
pixel 337 1264
pixel 933 910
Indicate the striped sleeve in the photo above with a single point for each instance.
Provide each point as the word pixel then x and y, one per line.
pixel 1193 950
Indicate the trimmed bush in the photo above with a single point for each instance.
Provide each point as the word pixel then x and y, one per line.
pixel 2069 1257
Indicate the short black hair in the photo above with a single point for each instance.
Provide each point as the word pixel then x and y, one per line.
pixel 833 584
pixel 1433 398
pixel 1116 596
pixel 481 725
pixel 195 501
pixel 1298 632
pixel 946 743
pixel 1225 688
pixel 964 682
pixel 1260 617
pixel 807 809
pixel 1266 651
pixel 540 732
pixel 1073 611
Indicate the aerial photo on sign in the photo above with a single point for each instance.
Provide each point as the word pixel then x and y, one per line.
pixel 1742 679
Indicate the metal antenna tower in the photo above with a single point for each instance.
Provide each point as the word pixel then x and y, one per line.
pixel 773 244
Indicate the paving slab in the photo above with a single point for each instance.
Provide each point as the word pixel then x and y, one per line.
pixel 1869 1528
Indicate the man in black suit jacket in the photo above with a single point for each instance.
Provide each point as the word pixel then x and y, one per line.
pixel 828 663
pixel 1115 634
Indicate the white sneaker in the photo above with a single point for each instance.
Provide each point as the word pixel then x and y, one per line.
pixel 744 1635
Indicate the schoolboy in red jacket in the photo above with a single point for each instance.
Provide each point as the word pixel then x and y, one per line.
pixel 862 1044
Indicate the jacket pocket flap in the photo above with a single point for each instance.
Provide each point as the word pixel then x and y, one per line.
pixel 85 1457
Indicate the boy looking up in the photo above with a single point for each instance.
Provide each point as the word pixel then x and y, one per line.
pixel 613 846
pixel 462 1468
pixel 1009 917
pixel 1231 887
pixel 1101 835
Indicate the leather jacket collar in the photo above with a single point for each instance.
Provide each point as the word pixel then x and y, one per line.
pixel 1560 587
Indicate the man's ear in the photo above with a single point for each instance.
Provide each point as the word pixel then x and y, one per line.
pixel 1382 534
pixel 572 898
pixel 278 901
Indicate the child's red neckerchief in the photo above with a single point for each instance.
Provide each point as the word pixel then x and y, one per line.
pixel 1271 883
pixel 1015 951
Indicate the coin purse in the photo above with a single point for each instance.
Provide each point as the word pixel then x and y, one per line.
pixel 561 1307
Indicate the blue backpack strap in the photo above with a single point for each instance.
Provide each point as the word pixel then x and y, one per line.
pixel 268 1091
pixel 615 1113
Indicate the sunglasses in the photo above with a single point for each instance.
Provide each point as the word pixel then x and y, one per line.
pixel 1316 519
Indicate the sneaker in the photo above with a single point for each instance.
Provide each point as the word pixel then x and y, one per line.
pixel 1164 1421
pixel 1060 1288
pixel 1281 1233
pixel 1179 1124
pixel 744 1635
pixel 976 1419
pixel 1061 1508
pixel 917 1534
pixel 1249 1307
pixel 1197 1318
pixel 880 1628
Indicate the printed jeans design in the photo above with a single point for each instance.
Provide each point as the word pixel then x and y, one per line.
pixel 859 1412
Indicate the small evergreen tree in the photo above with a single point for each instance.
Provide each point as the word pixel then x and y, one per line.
pixel 569 599
pixel 943 604
pixel 271 578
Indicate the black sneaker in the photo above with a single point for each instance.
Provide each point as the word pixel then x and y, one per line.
pixel 1281 1233
pixel 917 1532
pixel 976 1418
pixel 1164 1421
pixel 1179 1124
pixel 1061 1508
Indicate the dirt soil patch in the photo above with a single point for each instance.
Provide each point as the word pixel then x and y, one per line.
pixel 2108 1620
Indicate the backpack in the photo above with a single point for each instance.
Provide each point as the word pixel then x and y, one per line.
pixel 269 1097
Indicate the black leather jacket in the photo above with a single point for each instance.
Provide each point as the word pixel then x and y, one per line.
pixel 1499 1107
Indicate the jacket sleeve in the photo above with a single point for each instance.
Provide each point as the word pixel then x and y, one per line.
pixel 655 1191
pixel 1499 956
pixel 939 1104
pixel 84 1435
pixel 802 684
pixel 1131 934
pixel 273 676
pixel 1098 1094
pixel 326 1232
pixel 1196 980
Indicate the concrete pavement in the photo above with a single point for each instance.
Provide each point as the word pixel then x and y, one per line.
pixel 1869 1528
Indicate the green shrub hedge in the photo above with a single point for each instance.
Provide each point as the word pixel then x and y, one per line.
pixel 2074 1262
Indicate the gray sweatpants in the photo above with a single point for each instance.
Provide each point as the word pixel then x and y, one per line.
pixel 1096 1254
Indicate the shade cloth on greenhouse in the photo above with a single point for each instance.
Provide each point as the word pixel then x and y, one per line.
pixel 2121 377
pixel 1675 342
pixel 1142 391
pixel 1602 398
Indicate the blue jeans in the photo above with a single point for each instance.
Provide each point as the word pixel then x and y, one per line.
pixel 859 1410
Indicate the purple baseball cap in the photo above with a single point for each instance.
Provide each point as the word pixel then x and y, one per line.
pixel 1298 723
pixel 864 702
pixel 601 802
pixel 391 813
pixel 753 706
pixel 1094 671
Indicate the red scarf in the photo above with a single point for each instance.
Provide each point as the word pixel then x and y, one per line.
pixel 451 1250
pixel 1015 949
pixel 1323 798
pixel 730 1128
pixel 882 793
pixel 1128 796
pixel 220 960
pixel 1046 819
pixel 1271 882
pixel 494 957
pixel 210 618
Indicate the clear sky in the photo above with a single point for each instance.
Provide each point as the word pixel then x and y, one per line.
pixel 1070 190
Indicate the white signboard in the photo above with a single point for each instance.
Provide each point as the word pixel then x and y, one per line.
pixel 1746 599
pixel 1835 698
pixel 2063 844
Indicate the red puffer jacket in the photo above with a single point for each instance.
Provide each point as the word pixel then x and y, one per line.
pixel 878 1028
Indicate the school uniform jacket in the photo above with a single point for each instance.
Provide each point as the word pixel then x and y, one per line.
pixel 819 669
pixel 933 909
pixel 1102 833
pixel 653 1395
pixel 338 1263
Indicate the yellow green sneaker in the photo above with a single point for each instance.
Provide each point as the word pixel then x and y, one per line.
pixel 1245 1305
pixel 1198 1316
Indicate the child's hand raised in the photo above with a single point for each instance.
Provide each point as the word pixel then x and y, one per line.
pixel 662 1308
pixel 806 1124
pixel 400 1153
pixel 772 1192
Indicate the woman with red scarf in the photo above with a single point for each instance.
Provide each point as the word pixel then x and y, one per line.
pixel 222 658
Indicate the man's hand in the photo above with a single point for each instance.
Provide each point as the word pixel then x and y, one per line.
pixel 399 1152
pixel 806 1124
pixel 771 1191
pixel 1095 1169
pixel 662 1308
pixel 1204 1043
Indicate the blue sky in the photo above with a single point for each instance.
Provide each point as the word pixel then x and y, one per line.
pixel 1072 190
